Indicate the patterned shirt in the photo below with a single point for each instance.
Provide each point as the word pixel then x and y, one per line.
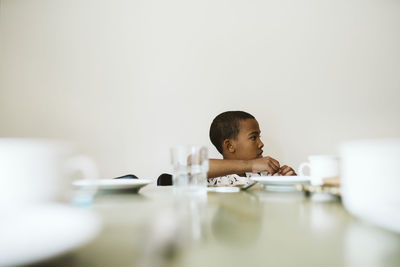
pixel 233 179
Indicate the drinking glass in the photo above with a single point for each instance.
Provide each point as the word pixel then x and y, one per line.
pixel 189 169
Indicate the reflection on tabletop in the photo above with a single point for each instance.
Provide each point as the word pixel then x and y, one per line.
pixel 255 227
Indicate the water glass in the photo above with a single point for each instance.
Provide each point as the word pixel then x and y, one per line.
pixel 189 168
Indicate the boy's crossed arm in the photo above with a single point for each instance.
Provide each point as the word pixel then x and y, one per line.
pixel 222 167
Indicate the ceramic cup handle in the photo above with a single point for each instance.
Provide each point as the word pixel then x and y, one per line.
pixel 83 164
pixel 87 167
pixel 302 166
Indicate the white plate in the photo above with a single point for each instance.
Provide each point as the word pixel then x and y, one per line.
pixel 223 189
pixel 45 231
pixel 282 180
pixel 110 184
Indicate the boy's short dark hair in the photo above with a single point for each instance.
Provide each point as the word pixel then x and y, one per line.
pixel 225 126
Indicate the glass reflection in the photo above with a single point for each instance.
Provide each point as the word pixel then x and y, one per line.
pixel 237 220
pixel 173 231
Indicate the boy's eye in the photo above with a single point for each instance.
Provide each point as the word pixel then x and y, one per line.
pixel 254 138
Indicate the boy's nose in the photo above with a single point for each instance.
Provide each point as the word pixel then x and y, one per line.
pixel 260 144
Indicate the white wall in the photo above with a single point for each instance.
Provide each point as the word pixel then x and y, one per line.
pixel 125 80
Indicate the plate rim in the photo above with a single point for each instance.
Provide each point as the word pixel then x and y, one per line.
pixel 278 179
pixel 90 226
pixel 123 183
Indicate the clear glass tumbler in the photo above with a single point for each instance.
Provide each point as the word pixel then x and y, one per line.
pixel 189 169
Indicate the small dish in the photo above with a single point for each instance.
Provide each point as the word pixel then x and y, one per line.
pixel 223 189
pixel 282 180
pixel 113 184
pixel 327 189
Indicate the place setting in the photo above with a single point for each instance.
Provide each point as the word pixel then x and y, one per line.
pixel 323 177
pixel 42 217
pixel 127 183
pixel 281 182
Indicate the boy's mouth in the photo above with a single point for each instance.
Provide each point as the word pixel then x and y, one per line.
pixel 260 154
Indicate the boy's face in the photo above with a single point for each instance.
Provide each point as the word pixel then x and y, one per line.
pixel 247 144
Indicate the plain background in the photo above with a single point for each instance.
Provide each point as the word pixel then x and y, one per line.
pixel 126 80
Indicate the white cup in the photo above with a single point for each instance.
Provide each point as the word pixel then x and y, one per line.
pixel 370 180
pixel 37 171
pixel 321 166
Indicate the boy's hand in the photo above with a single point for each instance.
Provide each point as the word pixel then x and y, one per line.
pixel 286 171
pixel 265 164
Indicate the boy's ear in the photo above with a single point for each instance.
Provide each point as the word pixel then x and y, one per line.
pixel 228 146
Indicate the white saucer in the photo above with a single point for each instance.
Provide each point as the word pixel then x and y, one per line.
pixel 41 232
pixel 282 180
pixel 111 184
pixel 223 189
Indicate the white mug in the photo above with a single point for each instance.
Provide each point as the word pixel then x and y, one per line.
pixel 370 180
pixel 36 171
pixel 321 166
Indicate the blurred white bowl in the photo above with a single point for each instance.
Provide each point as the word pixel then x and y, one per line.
pixel 370 180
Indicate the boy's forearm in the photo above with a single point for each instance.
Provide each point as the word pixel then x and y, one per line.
pixel 221 167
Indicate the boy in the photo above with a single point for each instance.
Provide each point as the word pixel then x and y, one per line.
pixel 236 135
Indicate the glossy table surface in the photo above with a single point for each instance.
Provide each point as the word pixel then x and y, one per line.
pixel 249 228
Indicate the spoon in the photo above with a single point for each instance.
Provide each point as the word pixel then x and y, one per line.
pixel 248 186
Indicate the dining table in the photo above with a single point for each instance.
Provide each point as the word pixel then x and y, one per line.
pixel 155 226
